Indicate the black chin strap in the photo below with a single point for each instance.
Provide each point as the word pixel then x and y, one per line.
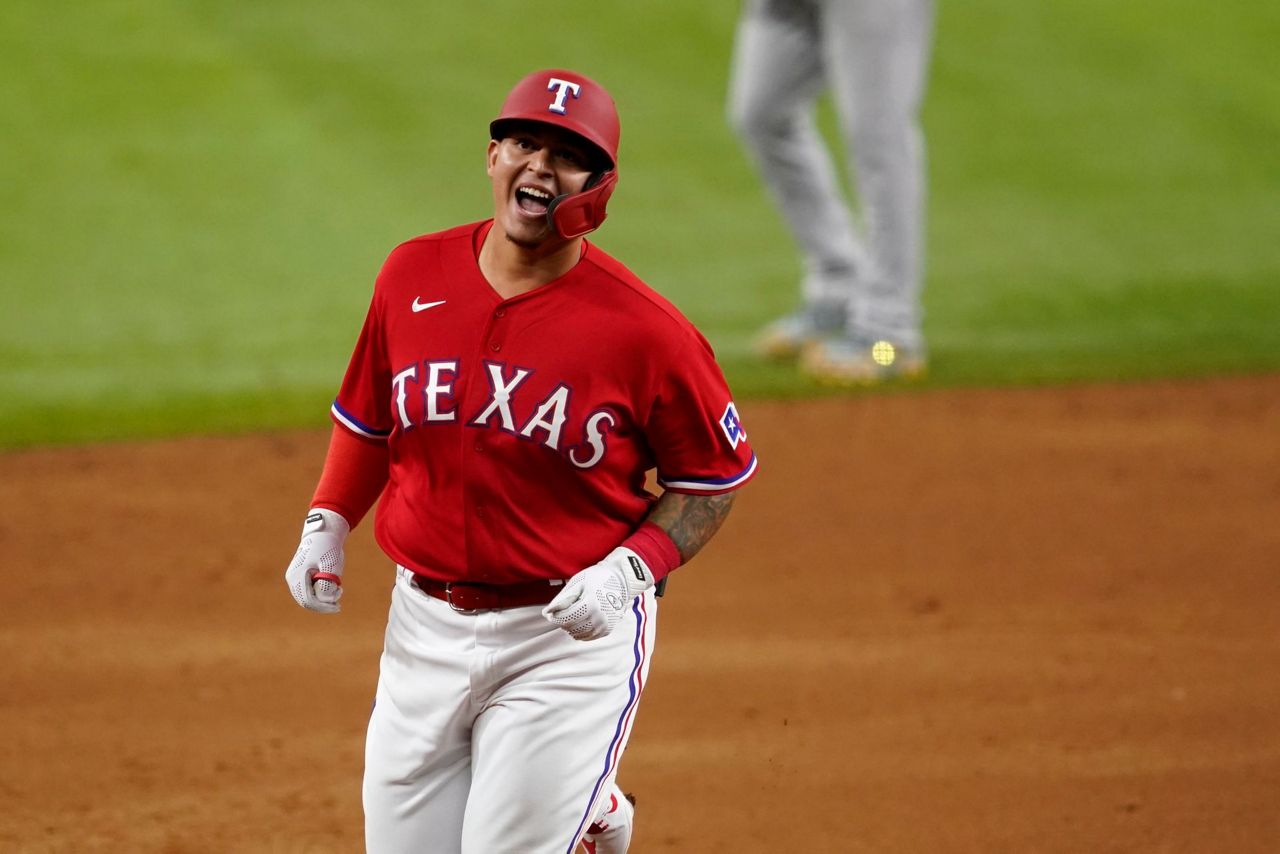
pixel 551 209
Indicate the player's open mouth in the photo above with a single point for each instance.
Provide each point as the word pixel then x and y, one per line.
pixel 533 200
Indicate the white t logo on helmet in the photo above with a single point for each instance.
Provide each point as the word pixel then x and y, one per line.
pixel 563 89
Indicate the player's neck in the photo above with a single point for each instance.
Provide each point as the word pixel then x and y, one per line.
pixel 513 269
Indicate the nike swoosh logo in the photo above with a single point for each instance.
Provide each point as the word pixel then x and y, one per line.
pixel 423 306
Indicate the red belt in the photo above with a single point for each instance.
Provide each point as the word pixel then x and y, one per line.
pixel 469 598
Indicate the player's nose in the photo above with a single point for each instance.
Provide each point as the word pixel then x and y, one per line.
pixel 539 161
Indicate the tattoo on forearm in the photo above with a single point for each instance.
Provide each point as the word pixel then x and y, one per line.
pixel 691 520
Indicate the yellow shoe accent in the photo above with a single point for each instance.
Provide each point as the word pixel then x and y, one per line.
pixel 841 363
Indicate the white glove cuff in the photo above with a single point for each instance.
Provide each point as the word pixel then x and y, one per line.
pixel 323 519
pixel 636 572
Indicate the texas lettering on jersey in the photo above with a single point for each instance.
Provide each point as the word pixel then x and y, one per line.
pixel 424 395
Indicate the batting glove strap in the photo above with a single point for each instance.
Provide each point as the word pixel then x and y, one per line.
pixel 596 599
pixel 320 553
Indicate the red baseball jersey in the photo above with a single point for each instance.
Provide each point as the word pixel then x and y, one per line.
pixel 520 431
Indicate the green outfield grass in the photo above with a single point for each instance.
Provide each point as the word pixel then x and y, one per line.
pixel 195 197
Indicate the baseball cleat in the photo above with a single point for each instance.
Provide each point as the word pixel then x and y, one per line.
pixel 786 337
pixel 612 833
pixel 855 362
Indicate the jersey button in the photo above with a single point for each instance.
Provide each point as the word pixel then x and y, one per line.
pixel 479 512
pixel 502 312
pixel 479 448
pixel 495 347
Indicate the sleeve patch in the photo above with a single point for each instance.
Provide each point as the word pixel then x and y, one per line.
pixel 731 424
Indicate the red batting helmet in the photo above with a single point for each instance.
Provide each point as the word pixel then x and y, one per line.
pixel 580 105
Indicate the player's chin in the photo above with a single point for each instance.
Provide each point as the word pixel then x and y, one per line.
pixel 527 230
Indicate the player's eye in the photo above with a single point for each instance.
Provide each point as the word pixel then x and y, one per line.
pixel 571 157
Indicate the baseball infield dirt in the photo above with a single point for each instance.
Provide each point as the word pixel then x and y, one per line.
pixel 956 621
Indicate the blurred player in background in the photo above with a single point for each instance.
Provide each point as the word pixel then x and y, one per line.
pixel 860 316
pixel 510 389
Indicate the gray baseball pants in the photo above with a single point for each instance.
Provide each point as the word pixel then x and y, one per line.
pixel 873 56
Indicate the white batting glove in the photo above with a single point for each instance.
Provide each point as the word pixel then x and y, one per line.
pixel 595 600
pixel 315 576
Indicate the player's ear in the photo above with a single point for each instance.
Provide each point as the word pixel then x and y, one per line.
pixel 491 159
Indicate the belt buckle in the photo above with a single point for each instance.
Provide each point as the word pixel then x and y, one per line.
pixel 448 597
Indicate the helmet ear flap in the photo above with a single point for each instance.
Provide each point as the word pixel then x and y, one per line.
pixel 576 214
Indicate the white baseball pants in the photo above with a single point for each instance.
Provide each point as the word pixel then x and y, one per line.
pixel 496 732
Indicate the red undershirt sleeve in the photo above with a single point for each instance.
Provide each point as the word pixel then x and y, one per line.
pixel 354 475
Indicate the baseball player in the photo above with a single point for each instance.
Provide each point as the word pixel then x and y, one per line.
pixel 510 388
pixel 860 317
